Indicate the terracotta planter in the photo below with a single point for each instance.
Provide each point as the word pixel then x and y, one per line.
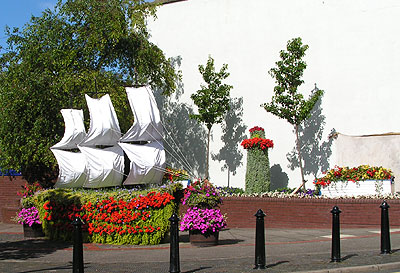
pixel 197 238
pixel 34 231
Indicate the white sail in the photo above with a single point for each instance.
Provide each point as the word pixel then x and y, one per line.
pixel 147 124
pixel 74 129
pixel 72 165
pixel 72 169
pixel 147 163
pixel 105 166
pixel 104 127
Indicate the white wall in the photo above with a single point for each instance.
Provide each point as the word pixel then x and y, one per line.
pixel 353 56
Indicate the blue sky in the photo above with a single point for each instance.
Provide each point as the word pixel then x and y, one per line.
pixel 15 13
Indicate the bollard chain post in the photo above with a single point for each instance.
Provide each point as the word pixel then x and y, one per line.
pixel 385 230
pixel 335 257
pixel 174 266
pixel 260 240
pixel 77 259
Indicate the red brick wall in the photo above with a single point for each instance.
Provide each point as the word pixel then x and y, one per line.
pixel 9 200
pixel 307 213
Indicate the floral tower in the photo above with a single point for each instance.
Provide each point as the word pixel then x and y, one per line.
pixel 258 178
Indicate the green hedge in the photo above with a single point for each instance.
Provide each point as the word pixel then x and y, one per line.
pixel 118 216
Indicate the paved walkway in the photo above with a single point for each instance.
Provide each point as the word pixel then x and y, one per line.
pixel 287 250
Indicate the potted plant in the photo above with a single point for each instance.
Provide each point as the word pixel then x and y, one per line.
pixel 29 218
pixel 203 219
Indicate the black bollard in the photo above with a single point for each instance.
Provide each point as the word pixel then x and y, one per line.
pixel 335 235
pixel 77 260
pixel 174 266
pixel 260 240
pixel 385 232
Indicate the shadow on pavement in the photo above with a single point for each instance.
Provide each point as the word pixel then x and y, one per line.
pixel 348 257
pixel 275 264
pixel 54 269
pixel 31 248
pixel 198 269
pixel 185 239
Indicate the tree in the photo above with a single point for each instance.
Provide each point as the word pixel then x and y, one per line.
pixel 212 100
pixel 287 103
pixel 81 46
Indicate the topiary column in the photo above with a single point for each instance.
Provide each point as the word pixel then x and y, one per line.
pixel 258 178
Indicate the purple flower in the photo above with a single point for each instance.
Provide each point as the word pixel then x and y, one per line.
pixel 29 216
pixel 203 220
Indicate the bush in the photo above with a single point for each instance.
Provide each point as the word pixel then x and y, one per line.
pixel 118 216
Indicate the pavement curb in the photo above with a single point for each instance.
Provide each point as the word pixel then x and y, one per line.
pixel 357 269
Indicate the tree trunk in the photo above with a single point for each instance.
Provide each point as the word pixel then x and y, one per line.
pixel 208 152
pixel 303 182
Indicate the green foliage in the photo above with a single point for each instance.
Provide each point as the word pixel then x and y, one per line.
pixel 287 103
pixel 258 178
pixel 212 100
pixel 82 46
pixel 118 216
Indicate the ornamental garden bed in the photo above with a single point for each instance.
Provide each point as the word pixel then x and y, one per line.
pixel 119 216
pixel 353 189
pixel 363 180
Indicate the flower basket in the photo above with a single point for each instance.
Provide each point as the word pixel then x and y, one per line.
pixel 202 219
pixel 29 218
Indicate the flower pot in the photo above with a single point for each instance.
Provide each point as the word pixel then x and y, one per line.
pixel 350 188
pixel 33 231
pixel 197 238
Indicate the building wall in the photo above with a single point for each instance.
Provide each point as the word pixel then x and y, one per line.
pixel 353 56
pixel 9 199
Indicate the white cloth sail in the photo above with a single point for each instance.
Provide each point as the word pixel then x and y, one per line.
pixel 147 160
pixel 147 163
pixel 104 127
pixel 147 123
pixel 105 167
pixel 72 169
pixel 72 165
pixel 74 129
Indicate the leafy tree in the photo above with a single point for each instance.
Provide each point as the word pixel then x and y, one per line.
pixel 212 100
pixel 82 46
pixel 287 103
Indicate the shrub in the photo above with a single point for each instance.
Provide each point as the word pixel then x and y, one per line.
pixel 118 216
pixel 258 178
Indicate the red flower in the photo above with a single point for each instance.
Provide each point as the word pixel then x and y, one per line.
pixel 257 142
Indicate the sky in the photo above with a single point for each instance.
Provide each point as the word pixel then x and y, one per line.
pixel 16 13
